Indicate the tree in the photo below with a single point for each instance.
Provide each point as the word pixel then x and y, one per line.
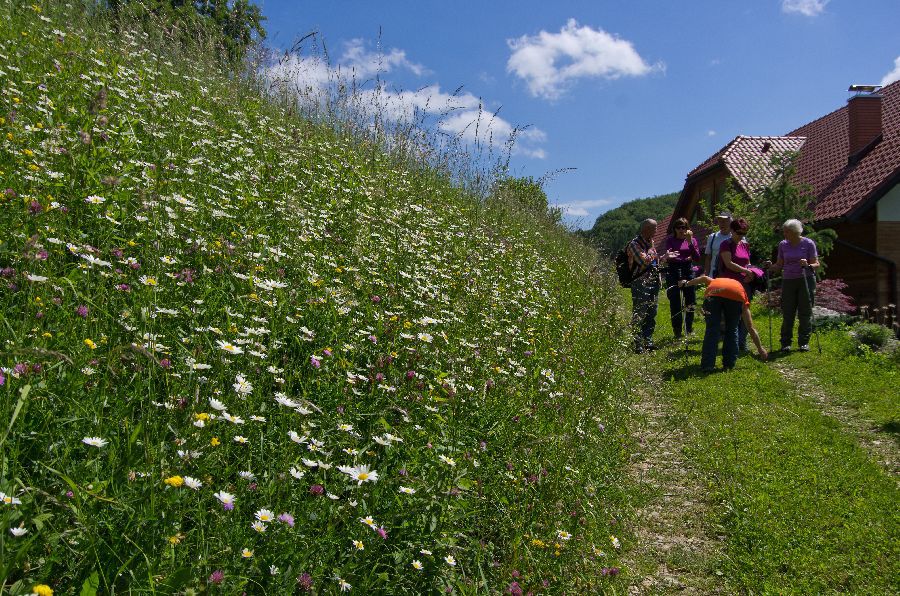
pixel 617 226
pixel 238 23
pixel 769 206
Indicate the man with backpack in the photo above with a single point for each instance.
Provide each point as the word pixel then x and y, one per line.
pixel 642 262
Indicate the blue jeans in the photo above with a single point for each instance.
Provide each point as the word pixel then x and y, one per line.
pixel 644 301
pixel 721 308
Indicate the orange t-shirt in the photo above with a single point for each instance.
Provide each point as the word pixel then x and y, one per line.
pixel 731 289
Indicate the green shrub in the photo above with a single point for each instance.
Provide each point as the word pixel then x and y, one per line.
pixel 872 335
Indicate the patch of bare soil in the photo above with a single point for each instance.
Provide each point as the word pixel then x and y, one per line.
pixel 674 551
pixel 880 445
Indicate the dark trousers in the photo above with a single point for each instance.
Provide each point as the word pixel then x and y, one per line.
pixel 719 308
pixel 682 311
pixel 644 302
pixel 797 300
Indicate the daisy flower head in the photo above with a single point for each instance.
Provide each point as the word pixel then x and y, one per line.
pixel 417 565
pixel 451 560
pixel 360 473
pixel 148 280
pixel 192 483
pixel 9 499
pixel 240 439
pixel 227 499
pixel 358 544
pixel 95 200
pixel 17 532
pixel 258 526
pixel 247 553
pixel 264 515
pixel 343 585
pixel 563 535
pixel 242 386
pixel 407 490
pixel 369 521
pixel 229 347
pixel 448 460
pixel 95 442
pixel 217 405
pixel 297 474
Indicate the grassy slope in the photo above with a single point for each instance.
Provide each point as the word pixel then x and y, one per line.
pixel 176 246
pixel 803 508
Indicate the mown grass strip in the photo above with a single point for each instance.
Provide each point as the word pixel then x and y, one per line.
pixel 803 508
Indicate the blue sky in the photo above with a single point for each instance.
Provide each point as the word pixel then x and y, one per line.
pixel 632 95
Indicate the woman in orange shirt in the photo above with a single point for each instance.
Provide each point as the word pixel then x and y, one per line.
pixel 725 299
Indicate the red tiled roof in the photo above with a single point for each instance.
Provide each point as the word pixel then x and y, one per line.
pixel 839 186
pixel 662 228
pixel 749 159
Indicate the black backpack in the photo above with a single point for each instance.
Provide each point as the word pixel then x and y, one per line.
pixel 625 273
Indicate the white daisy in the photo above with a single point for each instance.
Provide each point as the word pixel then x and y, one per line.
pixel 229 347
pixel 95 441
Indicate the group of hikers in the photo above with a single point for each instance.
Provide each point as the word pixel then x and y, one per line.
pixel 731 282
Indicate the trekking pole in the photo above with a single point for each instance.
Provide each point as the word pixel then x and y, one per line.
pixel 769 306
pixel 809 296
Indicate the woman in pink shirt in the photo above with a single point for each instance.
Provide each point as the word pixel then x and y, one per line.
pixel 734 263
pixel 797 260
pixel 682 251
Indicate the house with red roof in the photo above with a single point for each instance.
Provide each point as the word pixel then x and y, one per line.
pixel 850 159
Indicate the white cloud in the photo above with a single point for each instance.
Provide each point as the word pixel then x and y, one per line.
pixel 550 62
pixel 581 208
pixel 488 128
pixel 711 133
pixel 894 75
pixel 808 8
pixel 459 114
pixel 365 64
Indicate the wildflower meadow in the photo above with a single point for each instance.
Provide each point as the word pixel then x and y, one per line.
pixel 244 352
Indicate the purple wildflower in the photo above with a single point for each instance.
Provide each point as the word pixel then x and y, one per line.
pixel 305 582
pixel 286 518
pixel 216 577
pixel 82 311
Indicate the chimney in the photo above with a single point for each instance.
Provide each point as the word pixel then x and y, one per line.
pixel 864 111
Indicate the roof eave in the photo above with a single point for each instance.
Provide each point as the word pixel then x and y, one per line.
pixel 889 182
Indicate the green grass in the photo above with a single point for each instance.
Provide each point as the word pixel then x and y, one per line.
pixel 803 508
pixel 175 244
pixel 857 377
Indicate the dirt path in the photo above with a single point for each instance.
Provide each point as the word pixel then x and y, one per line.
pixel 879 444
pixel 674 551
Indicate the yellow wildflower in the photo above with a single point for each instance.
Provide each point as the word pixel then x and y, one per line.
pixel 42 590
pixel 175 481
pixel 215 442
pixel 90 343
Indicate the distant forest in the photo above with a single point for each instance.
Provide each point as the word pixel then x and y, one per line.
pixel 617 226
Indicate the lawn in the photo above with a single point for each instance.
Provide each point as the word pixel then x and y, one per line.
pixel 802 507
